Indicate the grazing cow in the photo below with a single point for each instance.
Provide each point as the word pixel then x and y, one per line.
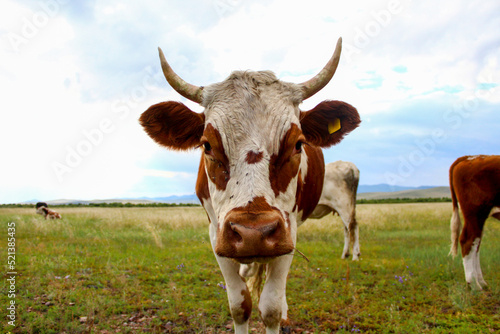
pixel 39 204
pixel 46 212
pixel 339 195
pixel 475 185
pixel 261 171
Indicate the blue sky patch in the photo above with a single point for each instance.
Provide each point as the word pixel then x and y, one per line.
pixel 486 85
pixel 400 69
pixel 373 81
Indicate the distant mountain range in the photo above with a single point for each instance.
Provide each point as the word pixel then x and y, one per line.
pixel 383 187
pixel 377 191
pixel 186 199
pixel 432 192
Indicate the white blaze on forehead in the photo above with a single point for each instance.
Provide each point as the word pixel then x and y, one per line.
pixel 252 111
pixel 252 105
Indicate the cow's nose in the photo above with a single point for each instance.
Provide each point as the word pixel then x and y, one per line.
pixel 258 234
pixel 254 235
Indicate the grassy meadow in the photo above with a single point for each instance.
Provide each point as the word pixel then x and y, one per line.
pixel 136 270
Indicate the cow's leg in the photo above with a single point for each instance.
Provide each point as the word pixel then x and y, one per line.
pixel 470 240
pixel 354 228
pixel 347 238
pixel 351 233
pixel 471 265
pixel 272 305
pixel 480 279
pixel 495 213
pixel 347 242
pixel 240 302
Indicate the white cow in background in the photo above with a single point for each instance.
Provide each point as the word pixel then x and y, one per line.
pixel 339 196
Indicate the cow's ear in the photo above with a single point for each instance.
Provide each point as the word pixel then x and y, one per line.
pixel 173 125
pixel 328 122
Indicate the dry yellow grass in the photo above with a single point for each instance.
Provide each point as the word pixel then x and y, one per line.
pixel 157 263
pixel 154 220
pixel 376 216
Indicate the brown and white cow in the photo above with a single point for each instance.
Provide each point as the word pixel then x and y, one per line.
pixel 261 170
pixel 47 213
pixel 475 185
pixel 339 196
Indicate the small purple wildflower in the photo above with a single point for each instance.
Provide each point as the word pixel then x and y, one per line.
pixel 221 285
pixel 180 266
pixel 401 279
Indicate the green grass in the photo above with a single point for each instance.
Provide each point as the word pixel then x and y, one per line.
pixel 133 270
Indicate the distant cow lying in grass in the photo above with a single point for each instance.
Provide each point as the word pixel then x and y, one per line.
pixel 41 209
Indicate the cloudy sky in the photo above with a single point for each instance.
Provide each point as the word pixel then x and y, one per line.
pixel 76 75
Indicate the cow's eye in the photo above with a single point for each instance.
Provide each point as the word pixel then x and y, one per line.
pixel 207 147
pixel 298 146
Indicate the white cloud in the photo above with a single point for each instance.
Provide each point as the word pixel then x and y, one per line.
pixel 79 64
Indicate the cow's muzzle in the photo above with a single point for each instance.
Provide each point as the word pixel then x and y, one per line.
pixel 245 236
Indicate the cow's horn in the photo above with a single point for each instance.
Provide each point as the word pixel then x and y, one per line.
pixel 321 79
pixel 190 92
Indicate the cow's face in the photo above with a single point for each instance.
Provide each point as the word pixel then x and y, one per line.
pixel 257 147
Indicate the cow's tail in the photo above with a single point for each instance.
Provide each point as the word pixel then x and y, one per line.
pixel 255 276
pixel 455 223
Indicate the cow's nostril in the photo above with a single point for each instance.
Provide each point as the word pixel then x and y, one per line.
pixel 250 234
pixel 269 229
pixel 236 228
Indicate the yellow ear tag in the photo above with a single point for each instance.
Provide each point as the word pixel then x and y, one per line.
pixel 334 126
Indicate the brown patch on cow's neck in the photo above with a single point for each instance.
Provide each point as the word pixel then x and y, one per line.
pixel 216 161
pixel 285 166
pixel 310 185
pixel 253 157
pixel 202 182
